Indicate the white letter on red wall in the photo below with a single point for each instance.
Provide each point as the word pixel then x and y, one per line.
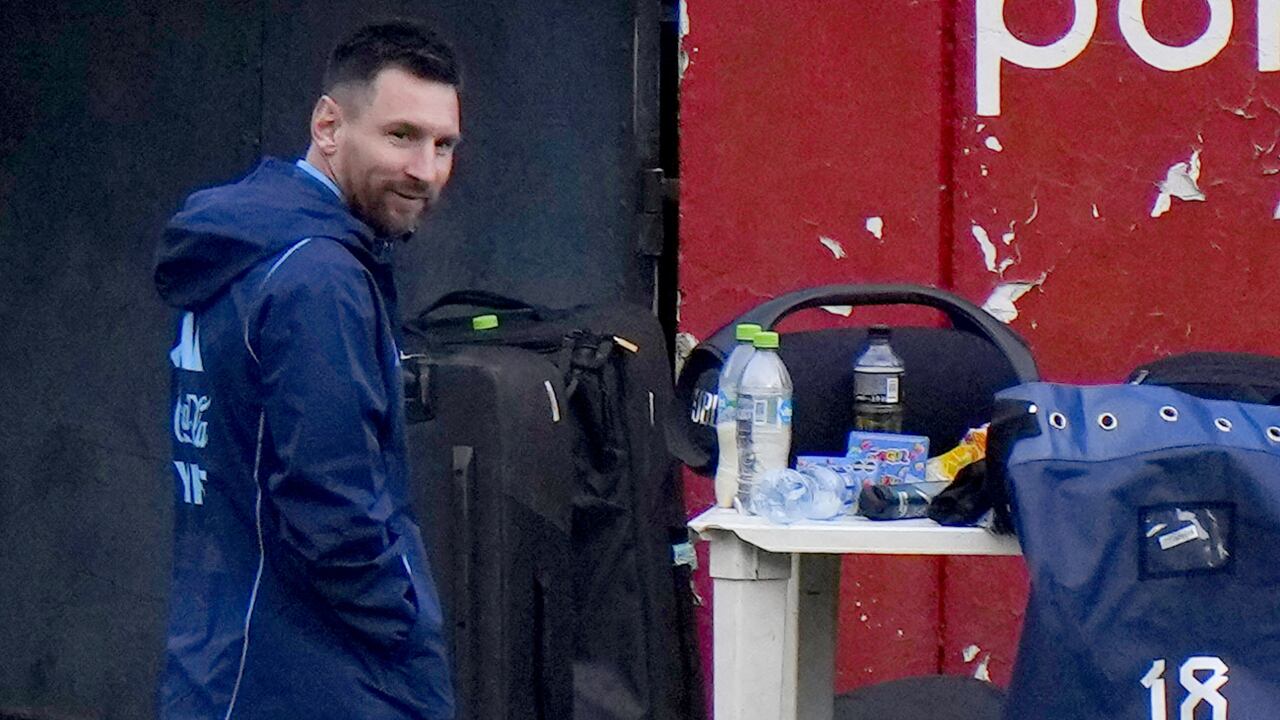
pixel 1172 57
pixel 1269 35
pixel 995 43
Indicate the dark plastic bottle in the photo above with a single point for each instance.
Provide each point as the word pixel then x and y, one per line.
pixel 877 385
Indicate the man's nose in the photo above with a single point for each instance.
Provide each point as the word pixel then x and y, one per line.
pixel 426 165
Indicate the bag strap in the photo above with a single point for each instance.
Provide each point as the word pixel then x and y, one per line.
pixel 594 400
pixel 963 314
pixel 481 299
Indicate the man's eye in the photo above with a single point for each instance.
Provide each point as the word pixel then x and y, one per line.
pixel 400 134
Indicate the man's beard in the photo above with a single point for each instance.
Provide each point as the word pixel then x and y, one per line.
pixel 379 216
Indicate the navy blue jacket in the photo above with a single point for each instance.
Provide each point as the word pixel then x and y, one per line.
pixel 300 584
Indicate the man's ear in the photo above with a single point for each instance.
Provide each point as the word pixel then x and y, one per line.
pixel 326 123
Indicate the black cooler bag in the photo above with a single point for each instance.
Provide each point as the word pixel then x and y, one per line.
pixel 952 374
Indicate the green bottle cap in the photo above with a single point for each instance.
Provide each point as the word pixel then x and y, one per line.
pixel 484 322
pixel 766 340
pixel 746 332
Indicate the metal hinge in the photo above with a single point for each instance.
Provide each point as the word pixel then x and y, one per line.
pixel 655 188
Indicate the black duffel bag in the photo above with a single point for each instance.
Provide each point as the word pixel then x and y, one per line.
pixel 1240 377
pixel 952 374
pixel 608 377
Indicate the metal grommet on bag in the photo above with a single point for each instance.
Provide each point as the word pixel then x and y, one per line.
pixel 1107 421
pixel 1273 434
pixel 1169 413
pixel 1058 420
pixel 1222 424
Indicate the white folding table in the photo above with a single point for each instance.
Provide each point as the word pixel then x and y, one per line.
pixel 776 589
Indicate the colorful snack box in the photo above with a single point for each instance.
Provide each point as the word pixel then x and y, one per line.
pixel 887 458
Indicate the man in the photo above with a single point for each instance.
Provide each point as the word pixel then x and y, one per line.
pixel 300 584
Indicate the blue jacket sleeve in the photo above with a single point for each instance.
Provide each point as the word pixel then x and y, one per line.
pixel 326 401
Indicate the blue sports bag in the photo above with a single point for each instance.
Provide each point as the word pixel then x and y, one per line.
pixel 1150 524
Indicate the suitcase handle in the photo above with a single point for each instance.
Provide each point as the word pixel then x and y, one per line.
pixel 963 314
pixel 482 299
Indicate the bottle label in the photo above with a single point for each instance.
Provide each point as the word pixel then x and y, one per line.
pixel 770 411
pixel 877 387
pixel 764 436
pixel 726 409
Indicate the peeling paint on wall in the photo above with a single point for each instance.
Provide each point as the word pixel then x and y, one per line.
pixel 834 246
pixel 841 310
pixel 1002 304
pixel 989 252
pixel 1259 151
pixel 983 672
pixel 1096 214
pixel 993 144
pixel 875 226
pixel 1182 182
pixel 1238 111
pixel 984 242
pixel 684 32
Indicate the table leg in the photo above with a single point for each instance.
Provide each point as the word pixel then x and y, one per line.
pixel 813 595
pixel 774 620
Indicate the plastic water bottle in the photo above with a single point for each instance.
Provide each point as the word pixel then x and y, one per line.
pixel 786 496
pixel 727 413
pixel 877 385
pixel 764 415
pixel 898 502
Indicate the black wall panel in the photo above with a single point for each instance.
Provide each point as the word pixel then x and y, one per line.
pixel 112 112
pixel 545 189
pixel 121 108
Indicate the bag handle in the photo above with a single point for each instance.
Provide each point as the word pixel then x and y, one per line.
pixel 963 314
pixel 481 299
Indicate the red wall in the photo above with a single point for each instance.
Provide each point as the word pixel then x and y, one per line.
pixel 801 119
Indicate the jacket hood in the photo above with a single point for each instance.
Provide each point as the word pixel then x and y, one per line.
pixel 222 232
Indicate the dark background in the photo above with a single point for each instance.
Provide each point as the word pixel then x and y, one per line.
pixel 112 112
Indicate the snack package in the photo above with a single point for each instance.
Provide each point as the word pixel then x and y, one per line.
pixel 945 467
pixel 887 458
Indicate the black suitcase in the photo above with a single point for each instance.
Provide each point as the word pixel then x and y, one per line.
pixel 490 459
pixel 633 641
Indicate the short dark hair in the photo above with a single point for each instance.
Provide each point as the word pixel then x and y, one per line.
pixel 405 44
